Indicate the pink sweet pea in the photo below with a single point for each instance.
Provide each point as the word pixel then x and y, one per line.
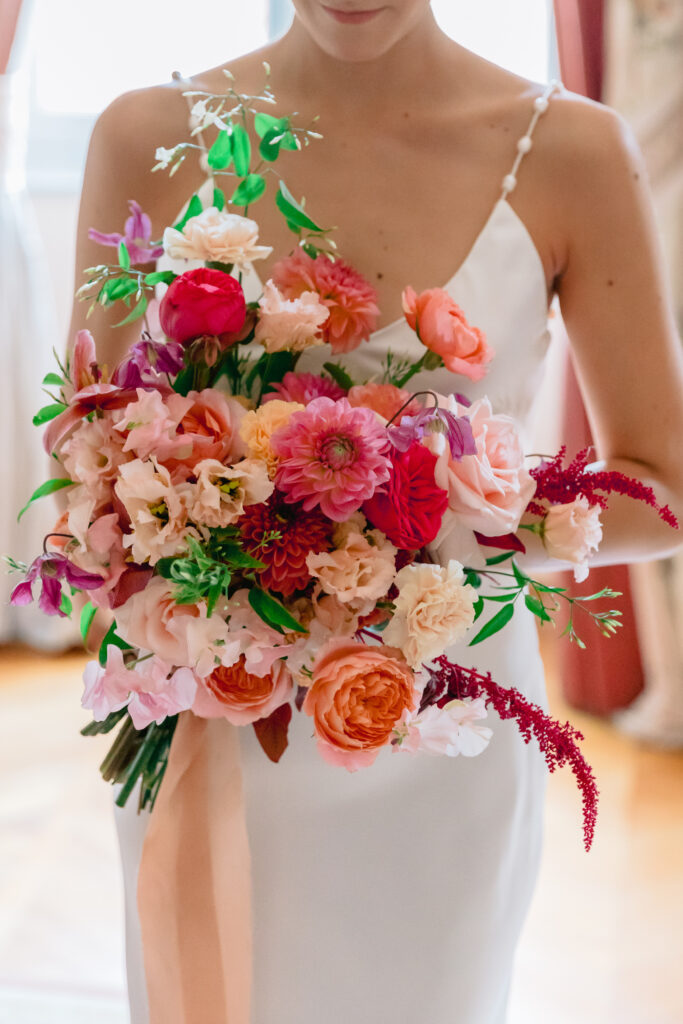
pixel 157 695
pixel 106 689
pixel 137 236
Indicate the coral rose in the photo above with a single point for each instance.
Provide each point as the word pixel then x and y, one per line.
pixel 241 696
pixel 571 532
pixel 356 697
pixel 216 236
pixel 441 326
pixel 409 509
pixel 489 491
pixel 434 609
pixel 290 325
pixel 201 302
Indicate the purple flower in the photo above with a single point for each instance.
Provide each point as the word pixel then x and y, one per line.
pixel 457 429
pixel 147 359
pixel 137 236
pixel 51 568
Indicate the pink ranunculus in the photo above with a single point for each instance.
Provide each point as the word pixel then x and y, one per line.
pixel 572 532
pixel 106 689
pixel 303 388
pixel 441 326
pixel 357 695
pixel 208 428
pixel 384 399
pixel 350 299
pixel 240 696
pixel 331 455
pixel 488 492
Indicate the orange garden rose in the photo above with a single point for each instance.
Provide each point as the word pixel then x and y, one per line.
pixel 441 326
pixel 240 696
pixel 357 695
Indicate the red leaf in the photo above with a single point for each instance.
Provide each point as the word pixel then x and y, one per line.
pixel 507 542
pixel 271 732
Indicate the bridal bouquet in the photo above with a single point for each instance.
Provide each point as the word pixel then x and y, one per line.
pixel 266 539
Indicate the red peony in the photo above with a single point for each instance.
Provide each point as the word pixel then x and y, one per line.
pixel 410 507
pixel 201 302
pixel 300 533
pixel 350 299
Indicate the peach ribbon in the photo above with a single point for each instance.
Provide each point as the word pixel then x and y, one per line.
pixel 194 882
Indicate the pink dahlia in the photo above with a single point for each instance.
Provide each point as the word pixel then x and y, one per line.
pixel 350 299
pixel 303 388
pixel 331 455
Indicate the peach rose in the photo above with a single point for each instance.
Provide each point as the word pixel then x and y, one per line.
pixel 384 399
pixel 241 696
pixel 208 428
pixel 572 532
pixel 441 326
pixel 216 236
pixel 290 325
pixel 257 428
pixel 356 697
pixel 490 490
pixel 434 609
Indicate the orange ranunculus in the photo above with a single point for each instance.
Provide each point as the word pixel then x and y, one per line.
pixel 357 695
pixel 441 326
pixel 240 696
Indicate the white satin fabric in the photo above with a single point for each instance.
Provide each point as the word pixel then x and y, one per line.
pixel 398 893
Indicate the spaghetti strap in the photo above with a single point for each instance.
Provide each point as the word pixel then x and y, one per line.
pixel 525 143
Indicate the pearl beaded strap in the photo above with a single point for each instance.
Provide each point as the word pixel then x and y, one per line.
pixel 526 142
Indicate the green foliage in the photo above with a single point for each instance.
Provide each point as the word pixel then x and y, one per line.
pixel 272 612
pixel 220 155
pixel 240 144
pixel 206 572
pixel 218 198
pixel 159 277
pixel 494 625
pixel 47 413
pixel 497 559
pixel 537 608
pixel 136 313
pixel 194 208
pixel 249 190
pixel 124 256
pixel 49 487
pixel 294 213
pixel 116 288
pixel 53 378
pixel 88 613
pixel 112 638
pixel 339 375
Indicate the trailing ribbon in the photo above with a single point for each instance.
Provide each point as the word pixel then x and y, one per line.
pixel 194 891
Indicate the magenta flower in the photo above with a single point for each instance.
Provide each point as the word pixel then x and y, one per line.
pixel 457 429
pixel 137 236
pixel 331 455
pixel 303 388
pixel 145 361
pixel 51 568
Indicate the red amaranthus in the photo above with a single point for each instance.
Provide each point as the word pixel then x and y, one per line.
pixel 558 743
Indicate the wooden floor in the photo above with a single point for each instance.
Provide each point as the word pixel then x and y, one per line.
pixel 603 943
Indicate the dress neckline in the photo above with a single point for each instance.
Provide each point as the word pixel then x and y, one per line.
pixel 500 204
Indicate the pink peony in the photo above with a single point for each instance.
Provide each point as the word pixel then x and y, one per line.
pixel 384 399
pixel 303 388
pixel 331 455
pixel 489 491
pixel 350 299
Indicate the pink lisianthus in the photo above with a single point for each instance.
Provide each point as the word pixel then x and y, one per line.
pixel 222 492
pixel 146 423
pixel 350 299
pixel 362 565
pixel 331 455
pixel 158 510
pixel 450 730
pixel 489 491
pixel 100 550
pixel 303 388
pixel 384 399
pixel 92 456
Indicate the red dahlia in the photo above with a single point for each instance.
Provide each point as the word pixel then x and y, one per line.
pixel 300 533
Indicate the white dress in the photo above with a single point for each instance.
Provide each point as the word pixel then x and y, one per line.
pixel 397 893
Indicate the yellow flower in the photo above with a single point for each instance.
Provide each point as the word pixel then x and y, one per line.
pixel 257 428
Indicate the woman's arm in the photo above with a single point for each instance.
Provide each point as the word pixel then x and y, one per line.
pixel 616 305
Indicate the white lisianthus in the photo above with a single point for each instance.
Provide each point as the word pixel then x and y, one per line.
pixel 434 609
pixel 571 532
pixel 290 325
pixel 218 237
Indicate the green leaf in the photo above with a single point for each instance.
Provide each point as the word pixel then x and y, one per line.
pixel 548 590
pixel 275 366
pixel 218 197
pixel 272 612
pixel 159 277
pixel 241 149
pixel 264 123
pixel 53 378
pixel 234 555
pixel 249 190
pixel 497 559
pixel 339 375
pixel 117 288
pixel 111 637
pixel 124 256
pixel 293 211
pixel 49 487
pixel 194 208
pixel 99 728
pixel 47 413
pixel 473 578
pixel 535 606
pixel 500 619
pixel 521 578
pixel 66 604
pixel 478 607
pixel 88 613
pixel 269 147
pixel 137 311
pixel 502 598
pixel 220 155
pixel 289 141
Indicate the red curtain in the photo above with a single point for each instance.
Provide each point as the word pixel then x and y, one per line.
pixel 609 674
pixel 9 18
